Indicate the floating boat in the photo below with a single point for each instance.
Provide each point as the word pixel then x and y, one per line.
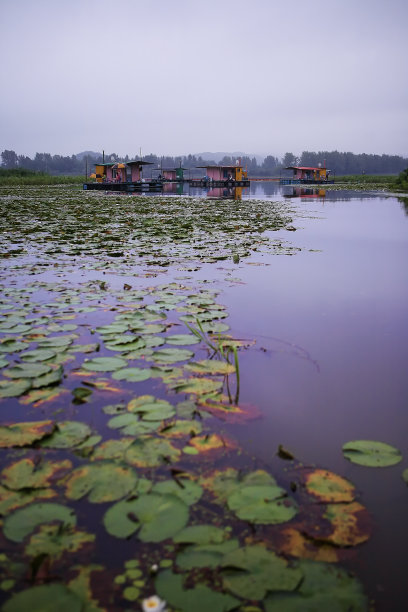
pixel 222 176
pixel 307 175
pixel 118 176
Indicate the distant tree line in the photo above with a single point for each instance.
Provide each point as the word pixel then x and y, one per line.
pixel 339 163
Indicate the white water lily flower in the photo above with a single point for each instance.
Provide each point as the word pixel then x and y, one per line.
pixel 154 604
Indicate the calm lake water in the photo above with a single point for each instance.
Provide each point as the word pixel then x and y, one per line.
pixel 328 316
pixel 332 337
pixel 333 321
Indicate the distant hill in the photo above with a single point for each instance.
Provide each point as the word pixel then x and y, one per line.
pixel 218 155
pixel 87 154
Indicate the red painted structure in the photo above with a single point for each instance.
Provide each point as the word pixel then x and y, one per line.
pixel 136 169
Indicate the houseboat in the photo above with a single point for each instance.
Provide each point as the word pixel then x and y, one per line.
pixel 222 176
pixel 118 176
pixel 173 175
pixel 307 175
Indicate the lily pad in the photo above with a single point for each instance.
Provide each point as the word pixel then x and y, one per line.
pixel 181 428
pixel 132 374
pixel 172 355
pixel 27 370
pixel 222 483
pixel 151 408
pixel 329 487
pixel 54 541
pixel 350 522
pixel 67 434
pixel 11 500
pixel 104 364
pixel 14 388
pixel 253 571
pixel 111 449
pixel 44 598
pixel 371 453
pixel 22 522
pixel 262 504
pixel 324 587
pixel 28 474
pixel 209 442
pixel 50 378
pixel 159 517
pixel 24 434
pixel 132 425
pixel 169 586
pixel 205 555
pixel 210 366
pixel 151 452
pixel 38 355
pixel 184 488
pixel 200 534
pixel 197 386
pixel 182 339
pixel 101 482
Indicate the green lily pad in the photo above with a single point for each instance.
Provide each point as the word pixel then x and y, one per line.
pixel 111 449
pixel 210 366
pixel 324 587
pixel 27 474
pixel 197 386
pixel 101 482
pixel 183 339
pixel 50 378
pixel 67 434
pixel 38 355
pixel 151 452
pixel 24 434
pixel 14 388
pixel 27 370
pixel 223 483
pixel 184 488
pixel 181 428
pixel 405 475
pixel 132 425
pixel 252 571
pixel 159 517
pixel 371 453
pixel 262 504
pixel 23 522
pixel 11 500
pixel 205 555
pixel 172 355
pixel 132 374
pixel 200 534
pixel 56 341
pixel 44 598
pixel 151 408
pixel 104 364
pixel 54 541
pixel 169 586
pixel 10 345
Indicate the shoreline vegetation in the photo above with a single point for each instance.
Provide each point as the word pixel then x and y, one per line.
pixel 381 181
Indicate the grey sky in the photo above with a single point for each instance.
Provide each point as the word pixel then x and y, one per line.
pixel 178 76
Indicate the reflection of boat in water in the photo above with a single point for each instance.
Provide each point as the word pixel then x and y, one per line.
pixel 304 192
pixel 225 193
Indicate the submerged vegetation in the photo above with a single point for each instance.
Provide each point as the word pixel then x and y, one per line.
pixel 121 479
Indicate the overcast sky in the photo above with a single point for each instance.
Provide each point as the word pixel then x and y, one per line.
pixel 178 76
